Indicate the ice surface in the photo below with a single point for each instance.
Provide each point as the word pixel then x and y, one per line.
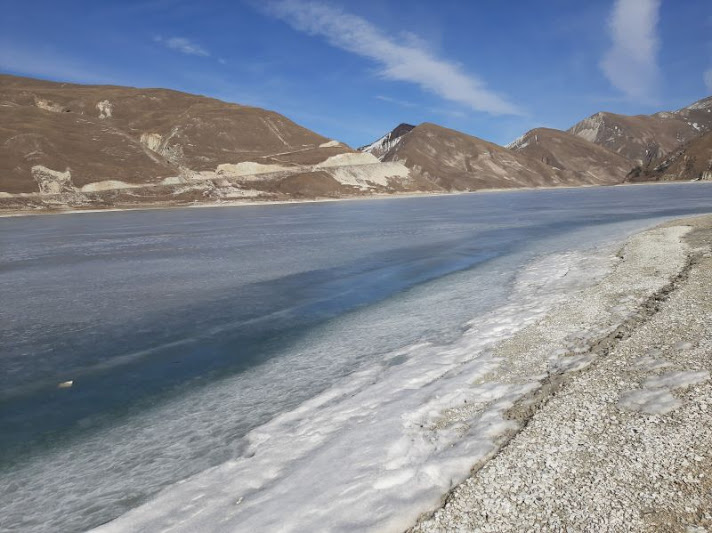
pixel 683 345
pixel 676 380
pixel 571 363
pixel 655 397
pixel 375 450
pixel 649 401
pixel 338 410
pixel 651 363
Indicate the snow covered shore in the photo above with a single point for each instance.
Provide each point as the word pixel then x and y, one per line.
pixel 374 452
pixel 623 445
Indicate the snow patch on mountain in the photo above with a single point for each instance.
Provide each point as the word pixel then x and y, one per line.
pixel 386 143
pixel 521 142
pixel 518 143
pixel 382 145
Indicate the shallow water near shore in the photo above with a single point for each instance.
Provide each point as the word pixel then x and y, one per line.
pixel 184 330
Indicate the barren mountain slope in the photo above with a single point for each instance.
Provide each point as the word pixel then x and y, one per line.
pixel 692 161
pixel 565 151
pixel 136 135
pixel 643 138
pixel 455 161
pixel 79 145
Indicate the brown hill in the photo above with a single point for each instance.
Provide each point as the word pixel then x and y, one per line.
pixel 644 138
pixel 566 151
pixel 454 161
pixel 692 161
pixel 136 135
pixel 69 144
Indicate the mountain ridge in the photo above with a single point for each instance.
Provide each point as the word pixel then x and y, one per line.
pixel 67 145
pixel 455 161
pixel 601 149
pixel 643 138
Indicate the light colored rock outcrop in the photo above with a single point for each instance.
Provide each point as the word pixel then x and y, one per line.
pixel 330 144
pixel 108 185
pixel 152 141
pixel 52 181
pixel 105 109
pixel 341 160
pixel 248 168
pixel 369 176
pixel 48 106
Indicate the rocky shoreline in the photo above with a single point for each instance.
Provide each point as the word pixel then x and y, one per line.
pixel 12 210
pixel 617 436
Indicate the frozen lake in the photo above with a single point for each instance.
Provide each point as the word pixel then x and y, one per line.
pixel 185 331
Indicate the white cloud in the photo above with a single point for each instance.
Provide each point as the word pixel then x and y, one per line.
pixel 631 62
pixel 708 79
pixel 404 59
pixel 183 45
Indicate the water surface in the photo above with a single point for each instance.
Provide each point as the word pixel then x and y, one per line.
pixel 146 309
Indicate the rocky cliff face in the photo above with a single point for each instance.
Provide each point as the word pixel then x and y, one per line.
pixel 691 161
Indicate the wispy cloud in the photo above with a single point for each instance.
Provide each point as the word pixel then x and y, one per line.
pixel 182 45
pixel 631 62
pixel 402 103
pixel 402 60
pixel 708 79
pixel 454 113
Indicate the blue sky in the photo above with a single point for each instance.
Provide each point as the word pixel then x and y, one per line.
pixel 353 70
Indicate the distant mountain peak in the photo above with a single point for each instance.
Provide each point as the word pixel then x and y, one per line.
pixel 383 145
pixel 523 141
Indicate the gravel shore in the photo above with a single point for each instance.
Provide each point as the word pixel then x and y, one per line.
pixel 617 436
